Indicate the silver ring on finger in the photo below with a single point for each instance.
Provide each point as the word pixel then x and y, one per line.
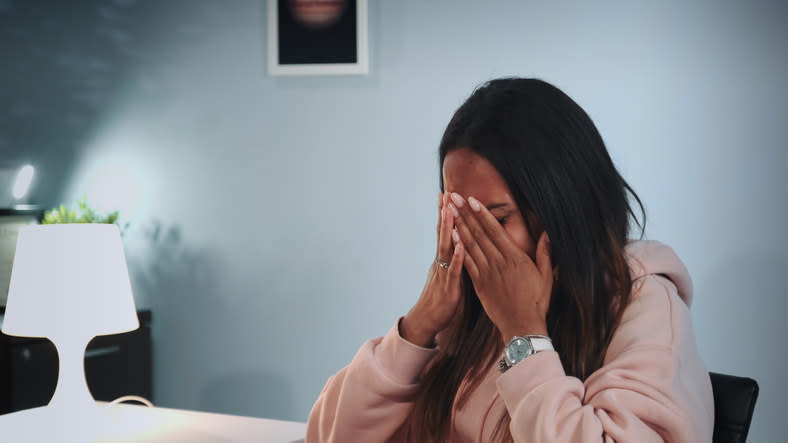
pixel 442 264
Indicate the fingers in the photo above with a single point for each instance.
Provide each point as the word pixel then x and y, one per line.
pixel 543 261
pixel 472 235
pixel 444 231
pixel 440 213
pixel 495 232
pixel 470 264
pixel 455 269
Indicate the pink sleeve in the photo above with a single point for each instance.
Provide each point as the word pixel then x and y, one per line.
pixel 371 398
pixel 653 387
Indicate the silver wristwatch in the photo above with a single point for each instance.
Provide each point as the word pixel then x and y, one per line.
pixel 519 348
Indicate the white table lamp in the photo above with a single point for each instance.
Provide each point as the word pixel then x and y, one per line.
pixel 70 283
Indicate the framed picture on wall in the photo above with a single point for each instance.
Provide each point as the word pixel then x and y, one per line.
pixel 317 37
pixel 11 220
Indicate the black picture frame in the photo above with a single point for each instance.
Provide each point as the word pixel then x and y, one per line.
pixel 337 46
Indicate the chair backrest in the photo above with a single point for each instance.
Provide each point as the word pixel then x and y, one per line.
pixel 734 402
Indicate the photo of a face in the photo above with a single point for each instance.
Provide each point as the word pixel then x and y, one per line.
pixel 317 31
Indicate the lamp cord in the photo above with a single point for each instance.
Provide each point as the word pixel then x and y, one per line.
pixel 126 398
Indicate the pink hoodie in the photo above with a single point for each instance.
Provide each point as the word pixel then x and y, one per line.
pixel 652 387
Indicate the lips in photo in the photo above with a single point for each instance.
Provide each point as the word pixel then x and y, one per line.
pixel 317 14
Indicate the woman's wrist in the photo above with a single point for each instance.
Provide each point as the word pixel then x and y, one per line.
pixel 510 332
pixel 409 330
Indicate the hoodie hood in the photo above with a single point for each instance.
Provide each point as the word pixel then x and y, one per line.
pixel 649 257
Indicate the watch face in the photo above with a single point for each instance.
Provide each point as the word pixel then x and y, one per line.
pixel 518 349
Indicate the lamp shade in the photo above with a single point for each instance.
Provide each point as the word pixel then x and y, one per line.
pixel 69 280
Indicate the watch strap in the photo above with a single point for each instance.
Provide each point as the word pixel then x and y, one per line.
pixel 541 343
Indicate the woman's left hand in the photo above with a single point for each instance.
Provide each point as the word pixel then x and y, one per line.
pixel 513 289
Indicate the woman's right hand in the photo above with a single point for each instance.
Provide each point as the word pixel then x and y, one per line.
pixel 441 295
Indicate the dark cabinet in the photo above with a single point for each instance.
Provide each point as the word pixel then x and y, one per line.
pixel 115 365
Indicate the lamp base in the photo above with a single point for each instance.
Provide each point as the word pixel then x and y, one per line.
pixel 72 395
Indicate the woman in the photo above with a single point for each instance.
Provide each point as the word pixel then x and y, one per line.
pixel 540 321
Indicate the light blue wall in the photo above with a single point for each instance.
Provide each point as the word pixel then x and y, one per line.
pixel 277 223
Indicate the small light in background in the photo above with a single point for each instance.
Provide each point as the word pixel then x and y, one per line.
pixel 23 180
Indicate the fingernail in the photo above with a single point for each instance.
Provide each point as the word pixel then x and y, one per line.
pixel 454 210
pixel 455 236
pixel 474 204
pixel 457 199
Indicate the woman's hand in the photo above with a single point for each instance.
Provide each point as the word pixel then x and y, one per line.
pixel 513 288
pixel 441 295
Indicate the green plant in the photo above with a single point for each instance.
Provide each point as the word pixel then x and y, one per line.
pixel 82 214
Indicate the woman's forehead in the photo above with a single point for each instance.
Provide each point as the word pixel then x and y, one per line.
pixel 470 174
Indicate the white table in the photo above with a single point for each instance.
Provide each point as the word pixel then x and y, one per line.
pixel 132 423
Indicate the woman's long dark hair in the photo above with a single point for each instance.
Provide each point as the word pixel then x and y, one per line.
pixel 554 161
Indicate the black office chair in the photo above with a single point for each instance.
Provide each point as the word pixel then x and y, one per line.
pixel 734 401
